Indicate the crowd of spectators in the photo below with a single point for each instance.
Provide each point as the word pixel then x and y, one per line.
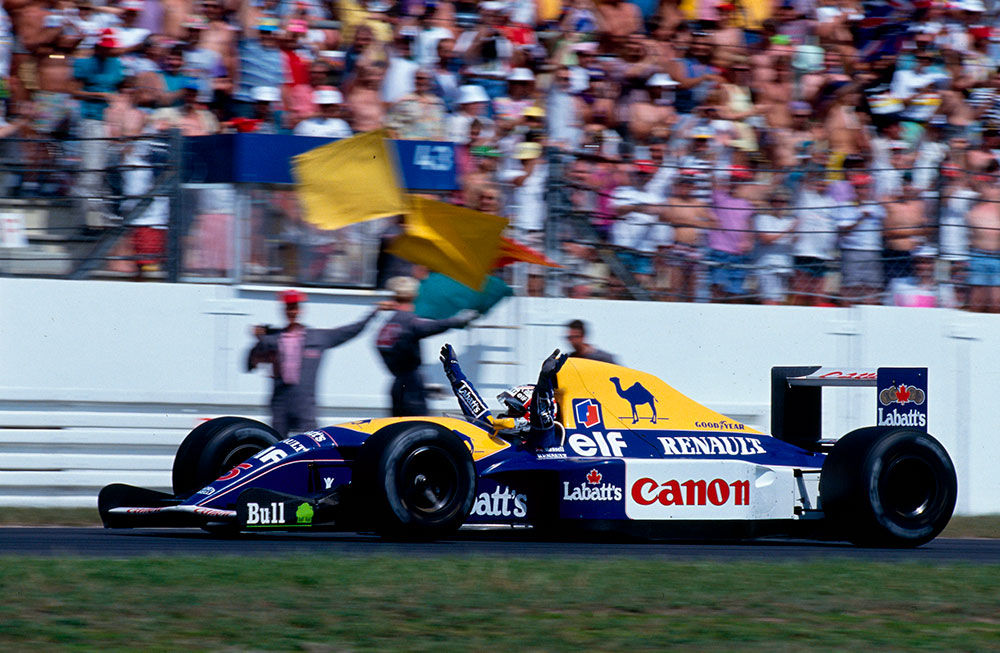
pixel 748 150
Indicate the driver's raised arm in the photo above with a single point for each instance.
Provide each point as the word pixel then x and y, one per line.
pixel 542 410
pixel 472 404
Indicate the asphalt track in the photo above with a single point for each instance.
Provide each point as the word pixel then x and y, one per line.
pixel 101 543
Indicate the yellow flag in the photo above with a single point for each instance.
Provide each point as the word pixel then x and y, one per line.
pixel 457 242
pixel 349 181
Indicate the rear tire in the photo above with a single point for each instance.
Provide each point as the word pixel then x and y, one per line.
pixel 417 482
pixel 215 447
pixel 888 487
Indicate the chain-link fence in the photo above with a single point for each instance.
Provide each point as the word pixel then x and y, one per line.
pixel 130 208
pixel 669 232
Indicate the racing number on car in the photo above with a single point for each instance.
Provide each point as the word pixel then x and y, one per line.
pixel 234 472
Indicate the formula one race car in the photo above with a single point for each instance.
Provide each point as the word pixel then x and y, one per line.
pixel 625 453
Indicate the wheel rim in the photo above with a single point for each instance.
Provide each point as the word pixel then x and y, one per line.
pixel 909 487
pixel 236 456
pixel 428 480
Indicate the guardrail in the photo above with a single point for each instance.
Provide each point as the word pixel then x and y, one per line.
pixel 61 456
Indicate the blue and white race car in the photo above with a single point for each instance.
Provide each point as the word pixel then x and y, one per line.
pixel 593 448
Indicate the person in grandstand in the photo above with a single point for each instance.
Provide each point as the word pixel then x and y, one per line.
pixel 815 239
pixel 529 411
pixel 775 228
pixel 906 229
pixel 689 217
pixel 295 353
pixel 859 228
pixel 730 238
pixel 328 123
pixel 637 231
pixel 983 221
pixel 398 343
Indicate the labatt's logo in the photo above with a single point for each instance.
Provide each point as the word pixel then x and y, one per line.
pixel 901 394
pixel 503 502
pixel 592 490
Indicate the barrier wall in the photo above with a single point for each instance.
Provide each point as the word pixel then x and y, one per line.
pixel 100 381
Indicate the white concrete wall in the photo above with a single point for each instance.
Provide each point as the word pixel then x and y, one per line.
pixel 99 381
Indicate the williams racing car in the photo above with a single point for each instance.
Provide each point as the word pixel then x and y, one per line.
pixel 591 448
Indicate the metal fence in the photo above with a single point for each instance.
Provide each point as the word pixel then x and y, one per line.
pixel 134 210
pixel 139 208
pixel 596 264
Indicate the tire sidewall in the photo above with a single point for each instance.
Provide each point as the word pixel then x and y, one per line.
pixel 390 512
pixel 890 450
pixel 856 496
pixel 212 445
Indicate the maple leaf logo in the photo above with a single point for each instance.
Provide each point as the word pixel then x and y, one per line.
pixel 902 394
pixel 594 477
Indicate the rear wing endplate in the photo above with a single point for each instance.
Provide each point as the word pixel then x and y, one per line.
pixel 796 398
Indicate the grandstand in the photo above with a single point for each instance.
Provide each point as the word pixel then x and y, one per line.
pixel 795 152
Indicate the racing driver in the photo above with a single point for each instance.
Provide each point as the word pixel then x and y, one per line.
pixel 529 410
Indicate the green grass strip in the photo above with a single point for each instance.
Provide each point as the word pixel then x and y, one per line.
pixel 379 603
pixel 984 526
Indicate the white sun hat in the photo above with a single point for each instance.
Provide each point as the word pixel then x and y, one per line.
pixel 327 95
pixel 471 93
pixel 265 94
pixel 521 75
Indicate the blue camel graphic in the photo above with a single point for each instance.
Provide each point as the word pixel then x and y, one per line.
pixel 636 395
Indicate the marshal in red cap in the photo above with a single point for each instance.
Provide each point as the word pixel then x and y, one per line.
pixel 292 296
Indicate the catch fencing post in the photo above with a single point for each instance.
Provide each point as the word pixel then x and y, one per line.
pixel 176 228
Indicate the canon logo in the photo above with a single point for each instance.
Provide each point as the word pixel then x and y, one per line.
pixel 717 492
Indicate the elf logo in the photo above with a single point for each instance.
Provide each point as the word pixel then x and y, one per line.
pixel 597 444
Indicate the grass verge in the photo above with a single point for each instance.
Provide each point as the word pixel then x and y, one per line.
pixel 380 603
pixel 984 526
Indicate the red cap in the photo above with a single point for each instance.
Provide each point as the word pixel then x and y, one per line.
pixel 245 125
pixel 951 171
pixel 984 177
pixel 645 165
pixel 860 179
pixel 740 173
pixel 292 296
pixel 108 39
pixel 980 31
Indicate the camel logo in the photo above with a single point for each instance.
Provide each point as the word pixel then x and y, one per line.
pixel 587 413
pixel 636 395
pixel 901 394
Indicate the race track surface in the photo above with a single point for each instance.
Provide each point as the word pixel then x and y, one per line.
pixel 101 543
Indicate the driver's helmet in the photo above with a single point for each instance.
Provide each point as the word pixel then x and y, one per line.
pixel 517 400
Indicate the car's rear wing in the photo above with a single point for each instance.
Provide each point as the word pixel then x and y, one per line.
pixel 797 407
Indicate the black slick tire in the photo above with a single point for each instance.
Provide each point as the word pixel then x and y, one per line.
pixel 215 447
pixel 416 481
pixel 888 487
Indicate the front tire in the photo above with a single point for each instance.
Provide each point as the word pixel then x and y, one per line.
pixel 888 487
pixel 418 482
pixel 215 447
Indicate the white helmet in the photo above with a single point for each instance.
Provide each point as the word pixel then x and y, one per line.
pixel 517 400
